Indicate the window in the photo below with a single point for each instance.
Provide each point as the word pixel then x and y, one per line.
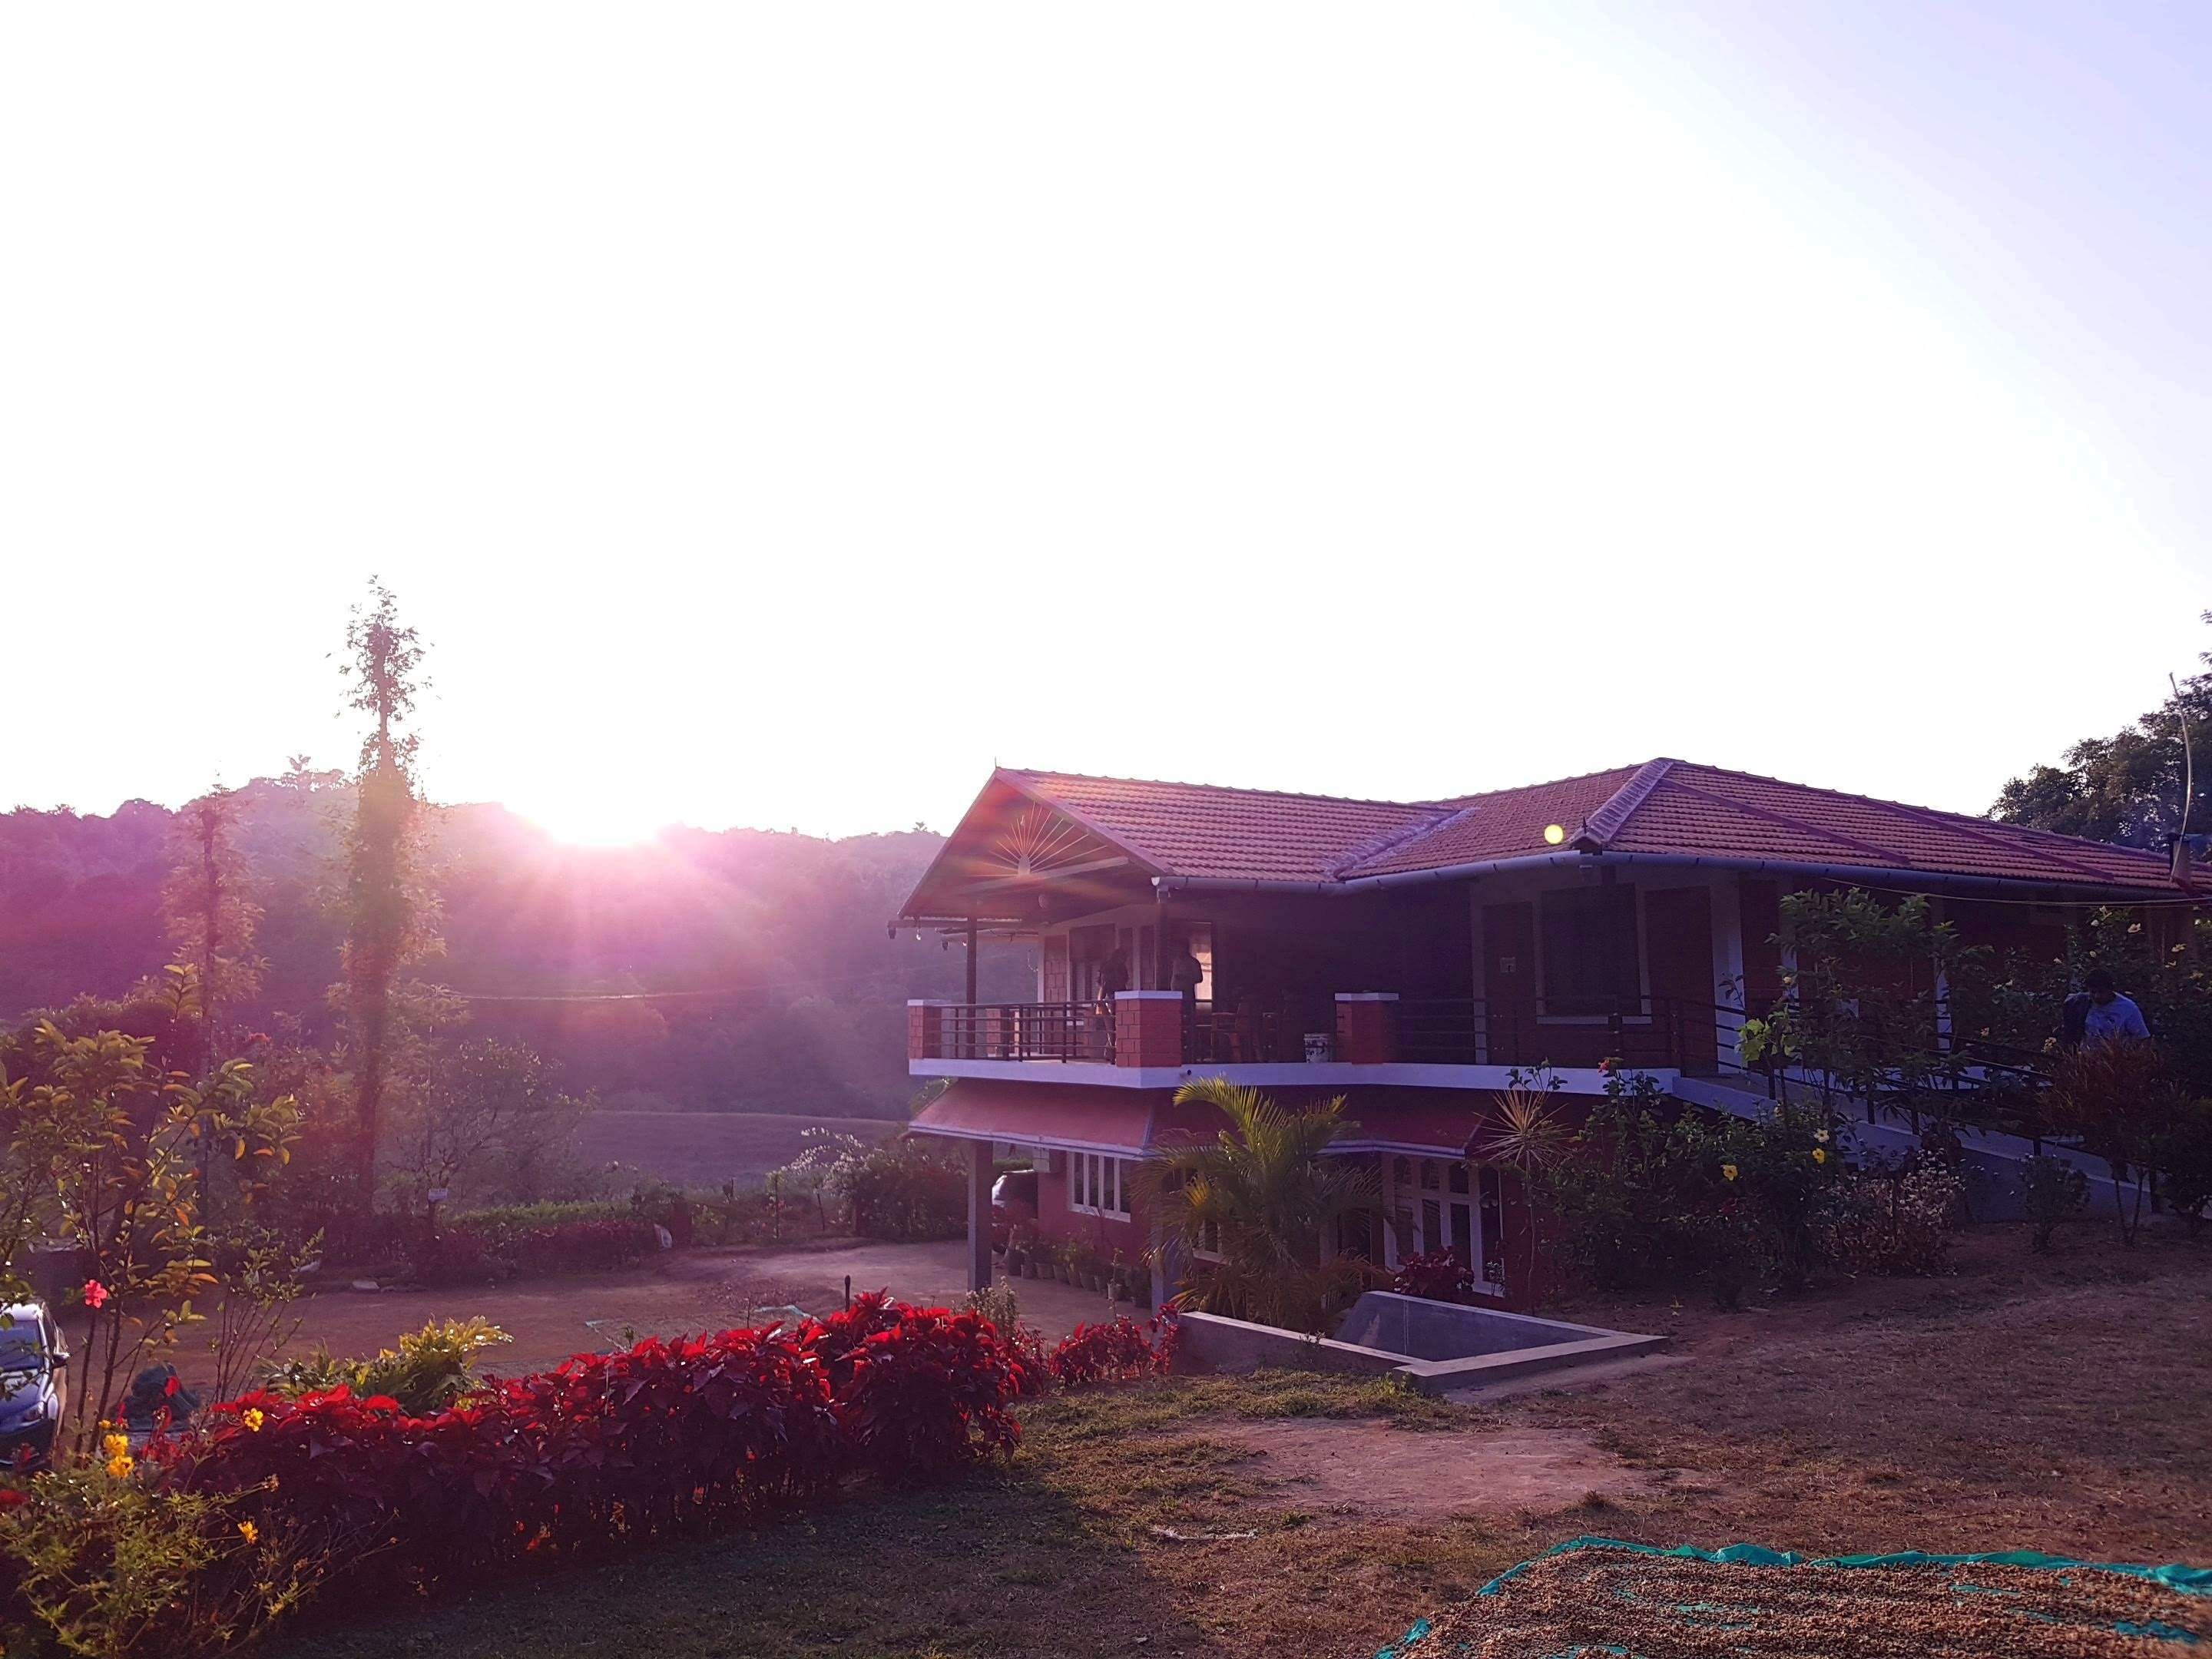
pixel 1209 1241
pixel 1588 944
pixel 1439 1205
pixel 1095 1184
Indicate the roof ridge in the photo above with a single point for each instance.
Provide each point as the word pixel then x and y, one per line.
pixel 1474 795
pixel 1610 819
pixel 1389 841
pixel 1226 788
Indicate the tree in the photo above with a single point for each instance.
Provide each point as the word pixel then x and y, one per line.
pixel 210 912
pixel 388 909
pixel 1864 1005
pixel 110 1155
pixel 2119 1098
pixel 486 1116
pixel 1262 1196
pixel 2126 787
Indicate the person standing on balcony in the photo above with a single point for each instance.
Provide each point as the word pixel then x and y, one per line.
pixel 1185 972
pixel 1113 976
pixel 2097 1014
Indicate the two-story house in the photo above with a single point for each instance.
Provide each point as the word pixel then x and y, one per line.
pixel 1411 955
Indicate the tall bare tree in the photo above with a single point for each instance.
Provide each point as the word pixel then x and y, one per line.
pixel 388 921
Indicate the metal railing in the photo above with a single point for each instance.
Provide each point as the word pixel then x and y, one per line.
pixel 1215 1034
pixel 1025 1030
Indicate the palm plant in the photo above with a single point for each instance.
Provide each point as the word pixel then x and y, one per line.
pixel 1262 1195
pixel 1525 1135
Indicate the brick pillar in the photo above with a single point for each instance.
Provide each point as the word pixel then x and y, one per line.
pixel 1148 1028
pixel 925 1029
pixel 1367 1027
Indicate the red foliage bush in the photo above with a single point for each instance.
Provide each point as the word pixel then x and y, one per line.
pixel 1438 1276
pixel 920 1392
pixel 1123 1352
pixel 607 1451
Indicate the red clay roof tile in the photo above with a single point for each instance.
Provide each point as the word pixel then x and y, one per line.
pixel 1673 808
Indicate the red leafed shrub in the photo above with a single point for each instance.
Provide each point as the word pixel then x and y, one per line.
pixel 1438 1276
pixel 606 1451
pixel 920 1392
pixel 1123 1352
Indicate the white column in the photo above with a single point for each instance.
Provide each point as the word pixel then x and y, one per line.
pixel 979 1214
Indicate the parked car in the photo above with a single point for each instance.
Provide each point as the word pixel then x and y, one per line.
pixel 1013 1201
pixel 33 1357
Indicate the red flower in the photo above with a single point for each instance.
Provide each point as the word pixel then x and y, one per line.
pixel 9 1497
pixel 95 1293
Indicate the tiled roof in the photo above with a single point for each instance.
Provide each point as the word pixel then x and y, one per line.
pixel 1666 807
pixel 1199 829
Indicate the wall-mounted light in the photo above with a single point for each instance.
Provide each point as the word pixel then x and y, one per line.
pixel 1554 834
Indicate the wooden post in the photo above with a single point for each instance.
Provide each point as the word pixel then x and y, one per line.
pixel 971 962
pixel 979 1215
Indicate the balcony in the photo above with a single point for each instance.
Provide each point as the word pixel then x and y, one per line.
pixel 1151 1029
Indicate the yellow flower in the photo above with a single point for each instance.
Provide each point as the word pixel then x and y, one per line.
pixel 115 1445
pixel 1819 1155
pixel 119 1466
pixel 1727 1172
pixel 252 1417
pixel 249 1532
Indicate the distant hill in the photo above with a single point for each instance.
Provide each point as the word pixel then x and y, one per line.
pixel 804 1010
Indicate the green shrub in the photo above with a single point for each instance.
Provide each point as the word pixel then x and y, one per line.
pixel 902 1190
pixel 98 1563
pixel 2183 1155
pixel 1643 1199
pixel 2052 1190
pixel 430 1369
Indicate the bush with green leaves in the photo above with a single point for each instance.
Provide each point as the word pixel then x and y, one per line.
pixel 1653 1193
pixel 2052 1190
pixel 428 1371
pixel 902 1189
pixel 96 1563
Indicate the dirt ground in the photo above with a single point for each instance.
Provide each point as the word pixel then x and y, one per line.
pixel 682 1292
pixel 1365 1468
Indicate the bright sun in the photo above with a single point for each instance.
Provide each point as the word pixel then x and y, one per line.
pixel 595 820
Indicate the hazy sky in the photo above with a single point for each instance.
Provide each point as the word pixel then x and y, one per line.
pixel 776 414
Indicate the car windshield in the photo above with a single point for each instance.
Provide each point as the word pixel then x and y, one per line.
pixel 21 1350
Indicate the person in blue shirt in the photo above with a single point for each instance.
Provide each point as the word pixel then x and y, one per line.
pixel 2098 1012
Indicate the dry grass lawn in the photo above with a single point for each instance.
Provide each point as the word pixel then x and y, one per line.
pixel 2062 1404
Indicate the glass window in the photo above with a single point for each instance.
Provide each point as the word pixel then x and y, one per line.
pixel 1588 948
pixel 1095 1184
pixel 1493 1229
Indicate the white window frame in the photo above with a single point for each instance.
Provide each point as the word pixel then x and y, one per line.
pixel 1405 1205
pixel 1099 1184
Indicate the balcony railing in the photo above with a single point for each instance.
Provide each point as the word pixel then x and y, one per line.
pixel 1024 1030
pixel 1644 1033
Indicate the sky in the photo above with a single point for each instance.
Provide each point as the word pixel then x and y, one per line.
pixel 779 415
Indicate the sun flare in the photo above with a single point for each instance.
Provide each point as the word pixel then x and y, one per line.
pixel 596 820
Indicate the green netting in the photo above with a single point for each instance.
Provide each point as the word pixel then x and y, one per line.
pixel 2182 1580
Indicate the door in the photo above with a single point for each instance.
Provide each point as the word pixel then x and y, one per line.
pixel 1509 984
pixel 1678 940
